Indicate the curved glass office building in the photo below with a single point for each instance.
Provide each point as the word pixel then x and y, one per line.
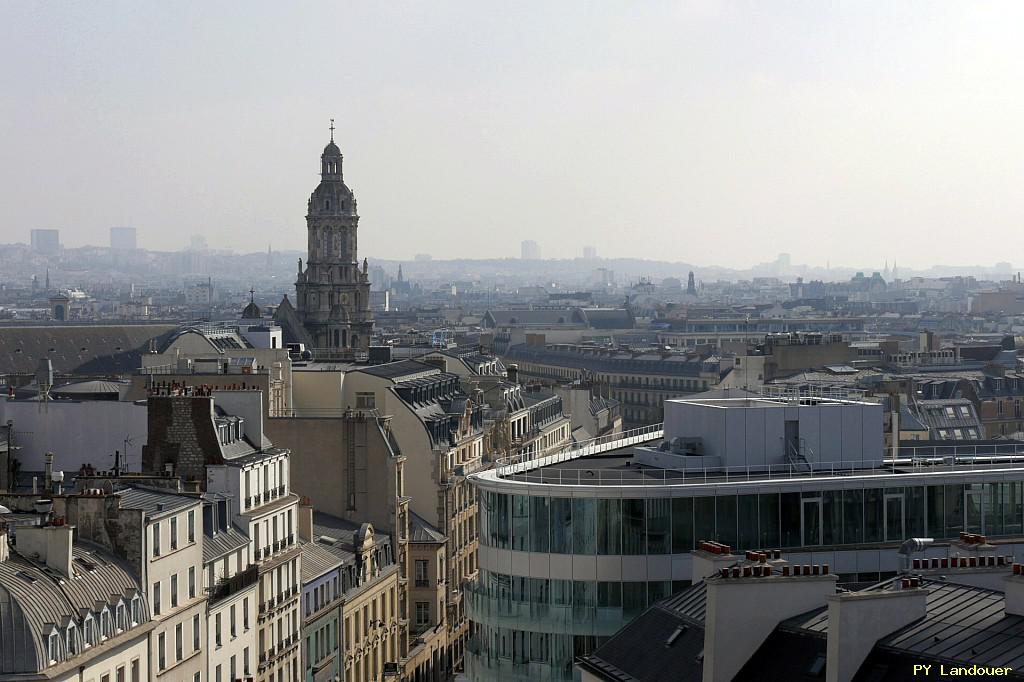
pixel 575 545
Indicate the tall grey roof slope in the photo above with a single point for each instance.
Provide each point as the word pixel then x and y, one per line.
pixel 317 560
pixel 338 535
pixel 154 502
pixel 83 350
pixel 420 530
pixel 401 370
pixel 662 644
pixel 963 626
pixel 33 602
pixel 223 543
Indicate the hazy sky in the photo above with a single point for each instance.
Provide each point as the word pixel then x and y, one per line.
pixel 710 132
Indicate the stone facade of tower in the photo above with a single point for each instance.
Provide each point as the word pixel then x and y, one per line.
pixel 333 290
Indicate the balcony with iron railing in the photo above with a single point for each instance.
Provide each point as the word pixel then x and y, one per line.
pixel 235 584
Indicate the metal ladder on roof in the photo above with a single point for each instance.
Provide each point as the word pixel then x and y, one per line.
pixel 797 454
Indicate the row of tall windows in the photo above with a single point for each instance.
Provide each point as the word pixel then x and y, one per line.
pixel 563 525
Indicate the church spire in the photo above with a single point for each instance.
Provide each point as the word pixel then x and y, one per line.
pixel 330 160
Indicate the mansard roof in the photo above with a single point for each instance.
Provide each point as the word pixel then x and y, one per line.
pixel 34 601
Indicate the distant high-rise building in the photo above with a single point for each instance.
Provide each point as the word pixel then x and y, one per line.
pixel 46 242
pixel 197 242
pixel 691 285
pixel 123 238
pixel 530 250
pixel 589 252
pixel 422 257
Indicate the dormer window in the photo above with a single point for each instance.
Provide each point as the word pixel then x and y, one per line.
pixel 70 643
pixel 121 621
pixel 136 610
pixel 52 646
pixel 106 629
pixel 89 630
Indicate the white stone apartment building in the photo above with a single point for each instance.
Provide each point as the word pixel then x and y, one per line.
pixel 172 570
pixel 217 437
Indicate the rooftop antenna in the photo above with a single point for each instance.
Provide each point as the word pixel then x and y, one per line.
pixel 129 440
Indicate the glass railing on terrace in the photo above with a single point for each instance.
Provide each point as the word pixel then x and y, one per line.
pixel 482 667
pixel 542 617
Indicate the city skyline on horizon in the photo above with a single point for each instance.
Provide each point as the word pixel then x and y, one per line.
pixel 816 123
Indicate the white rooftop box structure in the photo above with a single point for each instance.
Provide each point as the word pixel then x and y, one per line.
pixel 758 432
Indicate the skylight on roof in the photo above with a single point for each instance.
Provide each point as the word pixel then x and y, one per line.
pixel 27 577
pixel 680 629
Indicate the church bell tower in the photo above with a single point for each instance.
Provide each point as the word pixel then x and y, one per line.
pixel 333 290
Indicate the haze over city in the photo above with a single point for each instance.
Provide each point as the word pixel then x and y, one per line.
pixel 523 342
pixel 717 133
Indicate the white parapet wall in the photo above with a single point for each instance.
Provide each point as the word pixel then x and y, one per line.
pixel 757 432
pixel 77 432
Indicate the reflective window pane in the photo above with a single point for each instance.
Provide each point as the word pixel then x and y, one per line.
pixel 789 516
pixel 973 495
pixel 1011 507
pixel 936 512
pixel 521 522
pixel 539 523
pixel 682 525
pixel 916 512
pixel 584 525
pixel 874 515
pixel 633 527
pixel 609 526
pixel 768 513
pixel 561 525
pixel 746 518
pixel 634 599
pixel 832 517
pixel 725 520
pixel 954 505
pixel 703 518
pixel 659 513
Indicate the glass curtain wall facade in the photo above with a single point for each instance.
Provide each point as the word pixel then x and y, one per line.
pixel 527 627
pixel 787 520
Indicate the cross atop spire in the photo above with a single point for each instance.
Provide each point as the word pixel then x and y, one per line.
pixel 332 130
pixel 252 294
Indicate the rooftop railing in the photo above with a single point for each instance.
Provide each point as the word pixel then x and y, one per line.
pixel 507 466
pixel 200 370
pixel 972 460
pixel 790 393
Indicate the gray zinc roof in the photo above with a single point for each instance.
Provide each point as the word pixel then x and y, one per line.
pixel 317 560
pixel 154 502
pixel 223 543
pixel 33 600
pixel 83 350
pixel 420 530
